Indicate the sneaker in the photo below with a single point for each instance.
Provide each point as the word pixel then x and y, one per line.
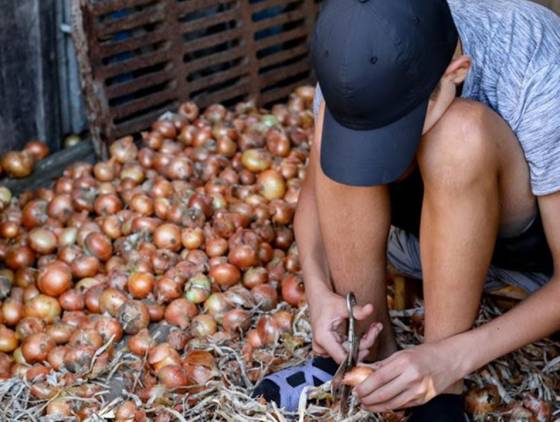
pixel 284 387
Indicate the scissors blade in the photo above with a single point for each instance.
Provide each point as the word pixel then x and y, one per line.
pixel 339 390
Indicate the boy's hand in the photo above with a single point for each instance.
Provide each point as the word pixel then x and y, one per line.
pixel 329 321
pixel 409 378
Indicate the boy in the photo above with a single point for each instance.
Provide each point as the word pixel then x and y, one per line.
pixel 442 120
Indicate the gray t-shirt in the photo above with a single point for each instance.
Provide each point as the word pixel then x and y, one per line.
pixel 515 47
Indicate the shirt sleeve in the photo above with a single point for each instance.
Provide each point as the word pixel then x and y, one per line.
pixel 538 130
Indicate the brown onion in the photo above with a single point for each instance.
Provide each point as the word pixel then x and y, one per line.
pixel 180 312
pixel 266 296
pixel 133 316
pixel 140 284
pixel 36 347
pixel 111 301
pixel 357 375
pixel 203 325
pixel 255 276
pixel 37 149
pixel 8 340
pixel 293 290
pixel 98 245
pixel 123 150
pixel 60 332
pixel 226 275
pixel 271 184
pixel 168 236
pixel 141 343
pixel 17 164
pixel 44 307
pixel 72 300
pixel 163 355
pixel 217 305
pixel 54 279
pixel 236 320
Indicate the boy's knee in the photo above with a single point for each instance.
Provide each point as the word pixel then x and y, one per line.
pixel 460 148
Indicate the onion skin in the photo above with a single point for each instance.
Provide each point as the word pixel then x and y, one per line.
pixel 357 375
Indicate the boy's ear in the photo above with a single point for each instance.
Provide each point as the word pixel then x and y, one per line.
pixel 458 69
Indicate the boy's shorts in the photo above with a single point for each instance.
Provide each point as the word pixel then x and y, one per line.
pixel 523 261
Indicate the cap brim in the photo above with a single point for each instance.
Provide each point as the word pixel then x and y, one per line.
pixel 371 157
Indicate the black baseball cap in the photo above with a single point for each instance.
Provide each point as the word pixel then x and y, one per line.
pixel 377 63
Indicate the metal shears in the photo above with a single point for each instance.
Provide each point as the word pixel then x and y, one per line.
pixel 339 390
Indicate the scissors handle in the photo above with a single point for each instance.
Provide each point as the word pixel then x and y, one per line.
pixel 352 357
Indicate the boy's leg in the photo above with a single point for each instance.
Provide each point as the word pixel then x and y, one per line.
pixel 476 184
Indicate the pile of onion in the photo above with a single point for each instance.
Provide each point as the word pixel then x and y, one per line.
pixel 180 238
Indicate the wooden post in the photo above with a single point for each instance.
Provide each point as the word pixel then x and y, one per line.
pixel 28 74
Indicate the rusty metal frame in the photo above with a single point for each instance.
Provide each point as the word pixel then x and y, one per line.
pixel 139 58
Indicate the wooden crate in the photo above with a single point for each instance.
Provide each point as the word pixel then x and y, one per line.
pixel 139 58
